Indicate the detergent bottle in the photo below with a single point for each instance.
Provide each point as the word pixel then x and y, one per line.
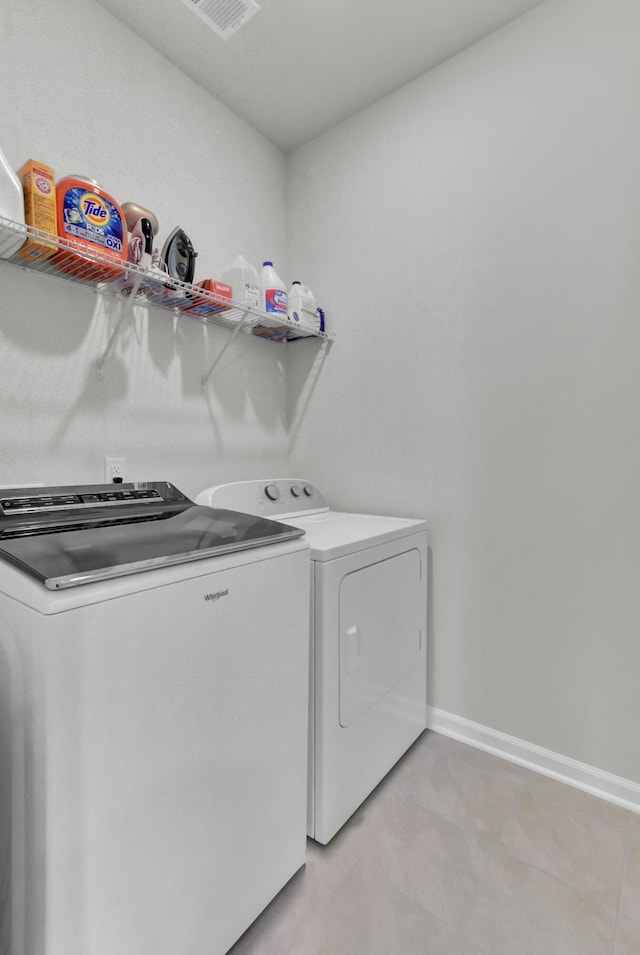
pixel 95 226
pixel 302 308
pixel 243 279
pixel 11 207
pixel 273 292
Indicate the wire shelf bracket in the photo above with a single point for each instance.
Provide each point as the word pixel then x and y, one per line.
pixel 126 311
pixel 229 341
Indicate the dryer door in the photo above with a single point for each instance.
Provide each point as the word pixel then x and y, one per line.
pixel 380 630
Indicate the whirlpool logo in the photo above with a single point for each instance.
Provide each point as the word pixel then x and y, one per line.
pixel 218 594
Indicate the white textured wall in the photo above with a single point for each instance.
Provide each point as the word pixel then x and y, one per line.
pixel 475 238
pixel 81 93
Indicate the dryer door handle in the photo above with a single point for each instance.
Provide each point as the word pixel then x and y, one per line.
pixel 352 649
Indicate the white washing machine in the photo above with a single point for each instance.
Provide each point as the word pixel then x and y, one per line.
pixel 153 720
pixel 368 686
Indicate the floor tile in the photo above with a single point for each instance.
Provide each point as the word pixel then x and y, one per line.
pixel 367 916
pixel 577 802
pixel 519 910
pixel 325 867
pixel 437 743
pixel 458 852
pixel 274 931
pixel 435 862
pixel 475 794
pixel 628 937
pixel 257 942
pixel 461 945
pixel 630 898
pixel 576 847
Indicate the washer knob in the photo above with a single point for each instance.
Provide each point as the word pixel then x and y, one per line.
pixel 272 492
pixel 295 490
pixel 308 490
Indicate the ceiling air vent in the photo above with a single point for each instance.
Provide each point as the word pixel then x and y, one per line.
pixel 224 16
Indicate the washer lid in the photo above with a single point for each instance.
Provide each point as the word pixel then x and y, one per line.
pixel 64 536
pixel 334 534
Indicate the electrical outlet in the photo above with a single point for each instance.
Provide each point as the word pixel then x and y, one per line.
pixel 114 470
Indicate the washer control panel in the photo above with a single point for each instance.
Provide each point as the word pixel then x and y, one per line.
pixel 98 496
pixel 268 498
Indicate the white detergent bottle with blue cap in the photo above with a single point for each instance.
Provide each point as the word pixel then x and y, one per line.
pixel 273 292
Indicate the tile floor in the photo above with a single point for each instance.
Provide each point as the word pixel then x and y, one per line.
pixel 460 853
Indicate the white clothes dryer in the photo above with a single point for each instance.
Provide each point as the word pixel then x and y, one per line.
pixel 368 671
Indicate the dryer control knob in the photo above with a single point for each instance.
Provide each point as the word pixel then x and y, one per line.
pixel 295 490
pixel 308 490
pixel 272 492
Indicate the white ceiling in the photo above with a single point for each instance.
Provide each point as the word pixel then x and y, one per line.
pixel 299 67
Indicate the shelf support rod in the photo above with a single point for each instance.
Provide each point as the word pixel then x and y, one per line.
pixel 125 311
pixel 232 337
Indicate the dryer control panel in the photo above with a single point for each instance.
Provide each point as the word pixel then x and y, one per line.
pixel 274 497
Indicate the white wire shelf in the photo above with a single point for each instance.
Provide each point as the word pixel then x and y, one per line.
pixel 137 285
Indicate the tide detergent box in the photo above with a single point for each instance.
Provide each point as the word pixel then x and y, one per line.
pixel 38 184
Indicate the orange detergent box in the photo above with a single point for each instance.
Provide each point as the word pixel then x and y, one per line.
pixel 208 305
pixel 38 184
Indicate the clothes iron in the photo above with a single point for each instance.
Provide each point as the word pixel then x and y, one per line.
pixel 178 256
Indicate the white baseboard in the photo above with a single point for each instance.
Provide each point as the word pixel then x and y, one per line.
pixel 615 789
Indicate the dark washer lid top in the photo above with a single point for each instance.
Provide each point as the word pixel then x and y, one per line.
pixel 70 535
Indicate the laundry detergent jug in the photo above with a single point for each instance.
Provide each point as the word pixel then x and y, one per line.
pixel 90 219
pixel 273 292
pixel 303 311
